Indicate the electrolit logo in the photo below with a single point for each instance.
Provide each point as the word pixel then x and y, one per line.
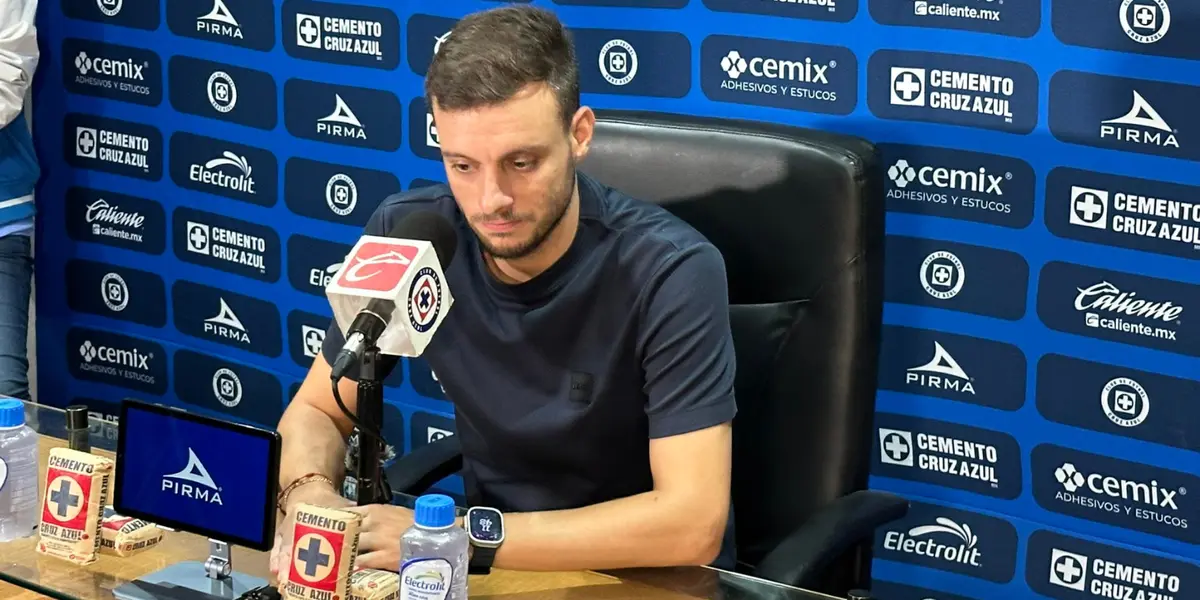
pixel 426 579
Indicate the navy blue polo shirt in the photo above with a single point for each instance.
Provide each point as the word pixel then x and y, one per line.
pixel 559 382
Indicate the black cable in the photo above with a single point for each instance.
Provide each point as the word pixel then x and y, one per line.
pixel 337 396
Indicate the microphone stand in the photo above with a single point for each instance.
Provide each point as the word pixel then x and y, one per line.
pixel 371 486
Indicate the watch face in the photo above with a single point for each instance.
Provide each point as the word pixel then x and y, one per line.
pixel 486 525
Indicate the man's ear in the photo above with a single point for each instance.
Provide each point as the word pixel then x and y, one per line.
pixel 583 125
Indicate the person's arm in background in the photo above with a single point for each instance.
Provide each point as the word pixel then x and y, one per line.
pixel 18 56
pixel 686 347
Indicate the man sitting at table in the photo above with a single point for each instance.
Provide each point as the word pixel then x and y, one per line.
pixel 588 353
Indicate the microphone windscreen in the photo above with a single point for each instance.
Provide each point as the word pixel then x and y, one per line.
pixel 431 227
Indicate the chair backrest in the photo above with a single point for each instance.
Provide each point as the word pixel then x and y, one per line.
pixel 798 215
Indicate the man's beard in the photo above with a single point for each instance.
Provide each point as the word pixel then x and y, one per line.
pixel 561 201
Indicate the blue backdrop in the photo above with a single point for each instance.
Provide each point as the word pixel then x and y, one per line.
pixel 209 162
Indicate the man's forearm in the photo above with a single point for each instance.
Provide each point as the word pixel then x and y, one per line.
pixel 645 530
pixel 312 443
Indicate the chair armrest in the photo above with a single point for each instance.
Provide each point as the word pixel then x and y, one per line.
pixel 417 471
pixel 805 553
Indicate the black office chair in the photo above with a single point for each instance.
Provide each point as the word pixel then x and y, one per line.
pixel 798 215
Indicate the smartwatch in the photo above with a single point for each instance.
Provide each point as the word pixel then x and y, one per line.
pixel 485 528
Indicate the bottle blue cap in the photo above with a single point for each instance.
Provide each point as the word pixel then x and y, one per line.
pixel 434 511
pixel 12 413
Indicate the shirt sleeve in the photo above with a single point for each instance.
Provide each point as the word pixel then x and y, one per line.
pixel 18 56
pixel 686 345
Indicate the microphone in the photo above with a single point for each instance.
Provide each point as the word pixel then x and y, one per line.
pixel 403 270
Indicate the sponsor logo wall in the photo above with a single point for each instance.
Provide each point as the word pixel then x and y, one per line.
pixel 1039 385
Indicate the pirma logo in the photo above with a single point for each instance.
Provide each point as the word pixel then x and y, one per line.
pixel 1133 115
pixel 958 184
pixel 1068 568
pixel 969 91
pixel 949 455
pixel 341 123
pixel 115 220
pixel 942 372
pixel 112 71
pixel 113 146
pixel 343 115
pixel 818 10
pixel 952 367
pixel 116 359
pixel 1152 407
pixel 1117 492
pixel 243 23
pixel 1139 214
pixel 806 77
pixel 193 481
pixel 1017 18
pixel 227 318
pixel 1158 27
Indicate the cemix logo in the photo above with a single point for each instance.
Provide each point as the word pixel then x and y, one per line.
pixel 1149 494
pixel 808 77
pixel 1122 493
pixel 193 482
pixel 979 181
pixel 131 357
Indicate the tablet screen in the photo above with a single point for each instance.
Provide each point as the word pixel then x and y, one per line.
pixel 196 473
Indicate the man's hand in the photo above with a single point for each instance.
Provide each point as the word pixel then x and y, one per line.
pixel 317 494
pixel 379 535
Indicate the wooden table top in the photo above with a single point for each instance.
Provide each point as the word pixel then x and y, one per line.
pixel 20 564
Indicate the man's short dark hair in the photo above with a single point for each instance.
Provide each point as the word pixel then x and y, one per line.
pixel 490 55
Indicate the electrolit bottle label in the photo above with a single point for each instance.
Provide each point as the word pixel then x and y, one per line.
pixel 425 579
pixel 3 473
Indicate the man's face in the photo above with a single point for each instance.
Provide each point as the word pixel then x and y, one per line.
pixel 511 167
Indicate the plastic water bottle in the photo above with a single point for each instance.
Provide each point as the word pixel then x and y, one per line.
pixel 18 473
pixel 433 553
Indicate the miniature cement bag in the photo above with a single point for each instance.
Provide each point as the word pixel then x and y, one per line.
pixel 324 545
pixel 76 491
pixel 374 584
pixel 126 536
